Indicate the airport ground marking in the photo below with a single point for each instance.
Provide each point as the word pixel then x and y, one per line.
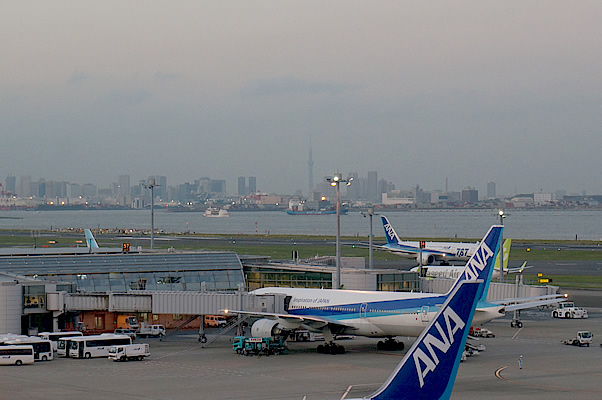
pixel 498 374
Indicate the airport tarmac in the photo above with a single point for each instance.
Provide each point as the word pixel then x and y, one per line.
pixel 179 368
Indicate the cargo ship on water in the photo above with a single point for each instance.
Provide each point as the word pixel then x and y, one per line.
pixel 315 212
pixel 322 207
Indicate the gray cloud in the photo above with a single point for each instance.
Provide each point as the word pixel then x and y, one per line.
pixel 124 97
pixel 162 76
pixel 78 77
pixel 291 86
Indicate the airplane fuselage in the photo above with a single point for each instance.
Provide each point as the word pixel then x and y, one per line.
pixel 371 313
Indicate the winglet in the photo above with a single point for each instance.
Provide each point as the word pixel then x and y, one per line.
pixel 90 241
pixel 480 265
pixel 429 368
pixel 390 233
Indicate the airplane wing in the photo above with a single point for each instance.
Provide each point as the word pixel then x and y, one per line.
pixel 519 269
pixel 309 320
pixel 523 303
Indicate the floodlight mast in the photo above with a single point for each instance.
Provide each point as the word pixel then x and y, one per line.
pixel 151 185
pixel 502 215
pixel 336 181
pixel 370 213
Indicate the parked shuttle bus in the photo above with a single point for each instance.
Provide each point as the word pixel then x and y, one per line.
pixel 62 346
pixel 54 337
pixel 42 348
pixel 95 345
pixel 16 355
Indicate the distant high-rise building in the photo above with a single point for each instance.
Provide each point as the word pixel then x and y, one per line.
pixel 218 186
pixel 124 185
pixel 491 190
pixel 470 195
pixel 382 187
pixel 242 186
pixel 252 185
pixel 372 187
pixel 89 190
pixel 11 184
pixel 310 167
pixel 25 186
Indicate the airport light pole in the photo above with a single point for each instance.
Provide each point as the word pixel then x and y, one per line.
pixel 336 181
pixel 151 185
pixel 370 213
pixel 502 215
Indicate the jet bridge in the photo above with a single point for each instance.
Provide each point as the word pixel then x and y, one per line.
pixel 161 302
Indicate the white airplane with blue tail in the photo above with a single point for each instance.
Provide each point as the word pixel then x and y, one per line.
pixel 375 313
pixel 442 252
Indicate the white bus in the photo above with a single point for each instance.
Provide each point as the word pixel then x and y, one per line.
pixel 95 345
pixel 6 337
pixel 16 355
pixel 62 346
pixel 42 348
pixel 55 336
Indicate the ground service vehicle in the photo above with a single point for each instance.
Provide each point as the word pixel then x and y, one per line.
pixel 127 332
pixel 567 309
pixel 258 346
pixel 584 338
pixel 54 337
pixel 127 322
pixel 95 345
pixel 129 352
pixel 151 330
pixel 481 332
pixel 42 348
pixel 215 321
pixel 16 355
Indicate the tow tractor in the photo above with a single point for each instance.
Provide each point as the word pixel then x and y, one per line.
pixel 584 338
pixel 247 346
pixel 481 332
pixel 567 309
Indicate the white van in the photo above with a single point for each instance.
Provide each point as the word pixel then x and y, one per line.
pixel 215 321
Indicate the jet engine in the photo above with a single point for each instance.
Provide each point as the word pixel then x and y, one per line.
pixel 427 258
pixel 265 328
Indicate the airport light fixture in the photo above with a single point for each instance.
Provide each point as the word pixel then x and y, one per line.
pixel 370 213
pixel 502 215
pixel 151 185
pixel 336 181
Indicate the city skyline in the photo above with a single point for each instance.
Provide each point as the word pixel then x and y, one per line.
pixel 367 186
pixel 474 91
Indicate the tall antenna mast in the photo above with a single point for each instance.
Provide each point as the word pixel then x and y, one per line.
pixel 310 165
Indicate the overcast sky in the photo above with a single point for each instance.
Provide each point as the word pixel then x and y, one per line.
pixel 476 91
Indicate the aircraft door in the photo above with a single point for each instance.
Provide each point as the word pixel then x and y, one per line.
pixel 424 313
pixel 363 310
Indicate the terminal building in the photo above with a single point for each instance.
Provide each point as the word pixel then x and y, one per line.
pixel 62 291
pixel 89 282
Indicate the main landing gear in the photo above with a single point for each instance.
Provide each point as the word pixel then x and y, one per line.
pixel 516 323
pixel 390 344
pixel 330 348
